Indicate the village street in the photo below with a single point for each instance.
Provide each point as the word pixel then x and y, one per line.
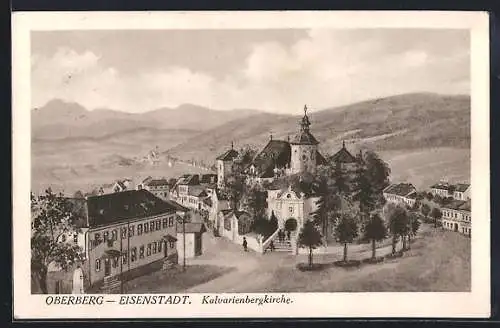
pixel 252 270
pixel 225 267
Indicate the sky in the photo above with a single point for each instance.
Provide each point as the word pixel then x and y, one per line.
pixel 272 70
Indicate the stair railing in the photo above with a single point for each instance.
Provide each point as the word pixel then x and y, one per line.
pixel 265 244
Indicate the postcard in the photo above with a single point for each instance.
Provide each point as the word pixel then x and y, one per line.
pixel 251 164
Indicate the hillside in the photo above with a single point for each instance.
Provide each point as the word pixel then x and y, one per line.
pixel 58 120
pixel 410 121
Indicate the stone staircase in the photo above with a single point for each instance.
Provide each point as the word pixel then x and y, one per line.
pixel 281 246
pixel 110 285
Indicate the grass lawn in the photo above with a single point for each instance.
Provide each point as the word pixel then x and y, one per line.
pixel 175 280
pixel 438 261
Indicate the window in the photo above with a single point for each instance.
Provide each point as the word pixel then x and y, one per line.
pixel 131 231
pixel 146 227
pixel 290 209
pixel 304 157
pixel 115 262
pixel 124 233
pixel 152 226
pixel 133 254
pixel 158 224
pixel 97 238
pixel 165 223
pixel 154 248
pixel 125 256
pixel 170 221
pixel 63 238
pixel 148 251
pixel 97 265
pixel 114 235
pixel 75 238
pixel 141 252
pixel 171 244
pixel 106 235
pixel 139 229
pixel 159 246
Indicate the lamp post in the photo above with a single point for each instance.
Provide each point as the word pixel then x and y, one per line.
pixel 183 217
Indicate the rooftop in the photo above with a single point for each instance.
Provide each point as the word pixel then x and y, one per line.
pixel 400 189
pixel 124 206
pixel 459 205
pixel 228 155
pixel 343 156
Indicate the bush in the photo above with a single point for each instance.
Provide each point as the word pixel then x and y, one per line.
pixel 347 264
pixel 315 267
pixel 370 260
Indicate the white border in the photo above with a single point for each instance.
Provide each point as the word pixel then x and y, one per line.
pixel 466 305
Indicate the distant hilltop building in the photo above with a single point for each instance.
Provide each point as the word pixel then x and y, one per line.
pixel 278 157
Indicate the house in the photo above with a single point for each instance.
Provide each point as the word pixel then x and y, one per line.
pixel 122 232
pixel 158 187
pixel 180 191
pixel 457 216
pixel 401 194
pixel 224 164
pixel 459 191
pixel 189 239
pixel 462 191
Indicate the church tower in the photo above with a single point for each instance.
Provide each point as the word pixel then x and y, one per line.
pixel 304 148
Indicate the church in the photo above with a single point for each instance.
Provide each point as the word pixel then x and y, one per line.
pixel 292 204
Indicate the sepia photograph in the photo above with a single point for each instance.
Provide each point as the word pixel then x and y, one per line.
pixel 250 159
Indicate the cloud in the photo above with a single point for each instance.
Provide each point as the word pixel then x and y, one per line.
pixel 327 68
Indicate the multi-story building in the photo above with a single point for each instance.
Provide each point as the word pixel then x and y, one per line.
pixel 123 231
pixel 457 216
pixel 158 187
pixel 225 164
pixel 462 191
pixel 180 191
pixel 401 194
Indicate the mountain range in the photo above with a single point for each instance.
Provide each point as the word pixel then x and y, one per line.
pixel 58 120
pixel 409 121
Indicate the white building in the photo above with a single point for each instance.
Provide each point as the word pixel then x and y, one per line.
pixel 401 194
pixel 457 216
pixel 291 207
pixel 459 191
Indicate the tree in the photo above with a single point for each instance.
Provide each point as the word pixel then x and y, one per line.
pixel 436 214
pixel 78 195
pixel 375 230
pixel 262 226
pixel 364 193
pixel 235 186
pixel 310 237
pixel 346 231
pixel 425 209
pixel 52 220
pixel 256 201
pixel 328 205
pixel 378 173
pixel 414 225
pixel 274 221
pixel 247 153
pixel 429 196
pixel 398 223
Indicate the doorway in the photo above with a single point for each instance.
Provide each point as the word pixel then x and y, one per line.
pixel 455 227
pixel 107 267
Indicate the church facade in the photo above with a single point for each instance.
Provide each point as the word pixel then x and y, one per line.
pixel 295 157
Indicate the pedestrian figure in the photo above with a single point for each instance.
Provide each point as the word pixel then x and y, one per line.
pixel 271 246
pixel 245 244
